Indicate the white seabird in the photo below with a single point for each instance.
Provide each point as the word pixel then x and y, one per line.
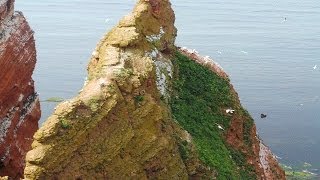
pixel 284 20
pixel 231 111
pixel 95 54
pixel 244 52
pixel 194 51
pixel 315 67
pixel 219 126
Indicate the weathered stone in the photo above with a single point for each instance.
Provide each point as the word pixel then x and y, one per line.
pixel 19 104
pixel 120 125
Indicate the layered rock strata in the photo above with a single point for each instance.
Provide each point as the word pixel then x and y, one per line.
pixel 19 104
pixel 124 123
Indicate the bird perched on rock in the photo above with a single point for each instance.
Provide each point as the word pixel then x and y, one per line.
pixel 219 126
pixel 229 111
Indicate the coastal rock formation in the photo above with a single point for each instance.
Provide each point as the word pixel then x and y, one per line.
pixel 241 134
pixel 19 104
pixel 150 110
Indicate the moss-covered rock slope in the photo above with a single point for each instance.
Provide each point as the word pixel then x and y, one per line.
pixel 150 110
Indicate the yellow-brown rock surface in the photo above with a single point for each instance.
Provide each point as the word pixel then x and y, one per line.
pixel 120 125
pixel 117 127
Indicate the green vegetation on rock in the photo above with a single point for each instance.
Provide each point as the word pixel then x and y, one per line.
pixel 299 173
pixel 183 150
pixel 117 127
pixel 247 126
pixel 197 103
pixel 138 98
pixel 65 124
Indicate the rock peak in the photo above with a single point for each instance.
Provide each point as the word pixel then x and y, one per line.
pixel 149 111
pixel 117 125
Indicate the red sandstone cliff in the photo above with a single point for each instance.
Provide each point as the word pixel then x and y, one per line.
pixel 19 104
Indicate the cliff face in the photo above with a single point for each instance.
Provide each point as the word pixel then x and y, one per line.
pixel 19 105
pixel 237 130
pixel 149 111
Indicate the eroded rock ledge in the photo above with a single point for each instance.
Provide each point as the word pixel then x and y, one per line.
pixel 124 123
pixel 19 104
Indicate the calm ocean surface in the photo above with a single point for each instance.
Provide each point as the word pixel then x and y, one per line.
pixel 269 59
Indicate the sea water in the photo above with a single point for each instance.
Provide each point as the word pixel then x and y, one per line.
pixel 269 48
